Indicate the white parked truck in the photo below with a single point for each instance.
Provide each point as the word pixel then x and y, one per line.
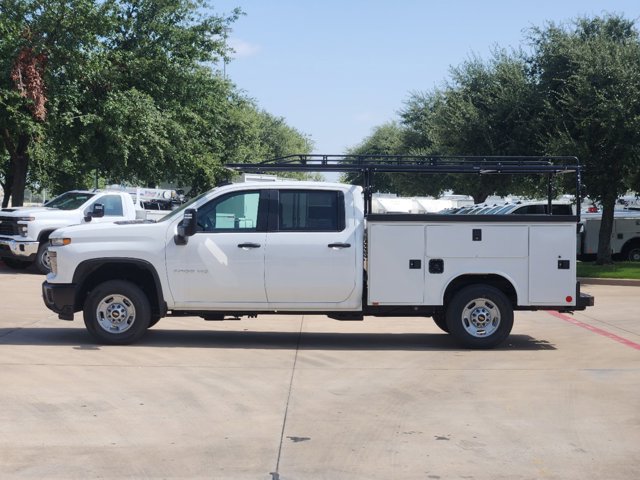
pixel 25 231
pixel 311 247
pixel 625 235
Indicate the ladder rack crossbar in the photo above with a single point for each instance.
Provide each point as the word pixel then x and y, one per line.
pixel 413 164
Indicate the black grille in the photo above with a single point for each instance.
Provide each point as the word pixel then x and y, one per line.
pixel 8 226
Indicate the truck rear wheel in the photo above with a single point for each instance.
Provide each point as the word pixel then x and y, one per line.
pixel 117 312
pixel 480 316
pixel 440 319
pixel 631 252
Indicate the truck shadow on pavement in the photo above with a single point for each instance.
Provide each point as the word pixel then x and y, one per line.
pixel 31 271
pixel 80 339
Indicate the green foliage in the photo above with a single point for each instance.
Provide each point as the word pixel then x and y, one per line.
pixel 57 37
pixel 589 76
pixel 488 108
pixel 593 76
pixel 131 95
pixel 387 139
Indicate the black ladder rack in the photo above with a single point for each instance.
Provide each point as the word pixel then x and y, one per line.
pixel 368 165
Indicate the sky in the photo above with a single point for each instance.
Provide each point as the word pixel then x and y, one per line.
pixel 335 70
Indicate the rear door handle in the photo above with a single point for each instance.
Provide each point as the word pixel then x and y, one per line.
pixel 248 245
pixel 339 245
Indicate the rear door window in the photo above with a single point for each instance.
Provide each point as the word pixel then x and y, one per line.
pixel 311 210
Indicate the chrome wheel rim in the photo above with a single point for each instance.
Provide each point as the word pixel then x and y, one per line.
pixel 116 314
pixel 481 317
pixel 634 255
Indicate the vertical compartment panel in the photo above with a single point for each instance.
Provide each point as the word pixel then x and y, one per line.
pixel 548 245
pixel 392 251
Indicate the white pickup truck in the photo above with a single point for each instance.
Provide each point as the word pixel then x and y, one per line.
pixel 25 231
pixel 308 247
pixel 625 235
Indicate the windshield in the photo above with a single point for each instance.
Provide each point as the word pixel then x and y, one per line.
pixel 177 211
pixel 69 200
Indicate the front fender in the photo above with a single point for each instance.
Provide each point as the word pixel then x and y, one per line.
pixel 90 273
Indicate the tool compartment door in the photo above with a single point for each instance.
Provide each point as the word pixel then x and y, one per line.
pixel 396 264
pixel 552 264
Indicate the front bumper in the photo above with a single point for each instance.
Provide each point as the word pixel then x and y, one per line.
pixel 17 249
pixel 60 298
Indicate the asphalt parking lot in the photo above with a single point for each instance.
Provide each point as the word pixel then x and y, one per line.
pixel 306 397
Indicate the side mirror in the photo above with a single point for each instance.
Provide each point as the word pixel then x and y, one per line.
pixel 187 227
pixel 96 212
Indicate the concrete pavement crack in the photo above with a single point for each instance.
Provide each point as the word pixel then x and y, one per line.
pixel 275 475
pixel 13 330
pixel 609 324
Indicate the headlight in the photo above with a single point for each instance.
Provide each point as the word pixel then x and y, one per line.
pixel 22 228
pixel 53 259
pixel 59 242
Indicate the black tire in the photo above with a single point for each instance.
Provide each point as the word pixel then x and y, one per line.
pixel 480 316
pixel 154 319
pixel 440 319
pixel 43 264
pixel 117 312
pixel 16 264
pixel 631 253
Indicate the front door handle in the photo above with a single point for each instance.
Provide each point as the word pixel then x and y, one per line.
pixel 339 245
pixel 248 245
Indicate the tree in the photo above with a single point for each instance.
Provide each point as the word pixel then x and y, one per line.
pixel 279 139
pixel 387 139
pixel 124 90
pixel 589 76
pixel 151 108
pixel 488 108
pixel 42 43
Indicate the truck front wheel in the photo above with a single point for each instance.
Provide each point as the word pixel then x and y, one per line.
pixel 480 316
pixel 117 312
pixel 43 263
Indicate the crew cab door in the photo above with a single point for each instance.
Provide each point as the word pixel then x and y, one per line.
pixel 311 249
pixel 222 265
